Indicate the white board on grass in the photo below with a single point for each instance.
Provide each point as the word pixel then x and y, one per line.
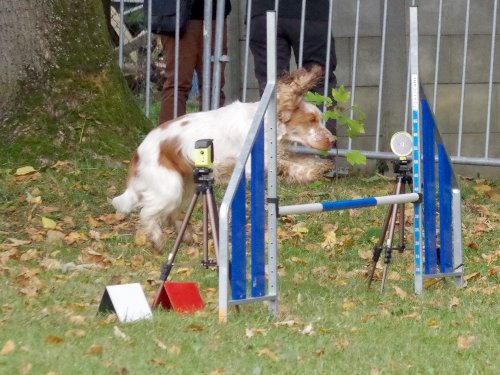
pixel 127 301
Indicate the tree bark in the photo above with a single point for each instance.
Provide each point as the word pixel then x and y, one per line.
pixel 61 90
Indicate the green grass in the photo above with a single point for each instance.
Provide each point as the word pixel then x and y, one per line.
pixel 51 316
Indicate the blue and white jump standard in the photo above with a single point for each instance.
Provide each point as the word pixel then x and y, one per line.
pixel 428 247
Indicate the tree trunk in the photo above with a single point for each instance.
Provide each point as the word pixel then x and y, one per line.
pixel 62 94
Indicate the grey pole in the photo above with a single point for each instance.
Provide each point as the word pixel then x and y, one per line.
pixel 148 61
pixel 207 54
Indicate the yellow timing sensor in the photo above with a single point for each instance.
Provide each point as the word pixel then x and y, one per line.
pixel 204 153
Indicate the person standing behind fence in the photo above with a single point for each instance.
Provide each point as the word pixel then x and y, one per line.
pixel 316 34
pixel 190 58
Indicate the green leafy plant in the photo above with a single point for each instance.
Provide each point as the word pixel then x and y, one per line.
pixel 338 108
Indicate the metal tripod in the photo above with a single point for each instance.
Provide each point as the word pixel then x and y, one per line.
pixel 401 168
pixel 204 181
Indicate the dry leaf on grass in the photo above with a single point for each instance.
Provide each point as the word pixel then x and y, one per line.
pixel 268 353
pixel 8 347
pixel 94 349
pixel 400 292
pixel 464 342
pixel 54 340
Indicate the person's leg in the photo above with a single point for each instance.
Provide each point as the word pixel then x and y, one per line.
pixel 316 36
pixel 258 46
pixel 187 60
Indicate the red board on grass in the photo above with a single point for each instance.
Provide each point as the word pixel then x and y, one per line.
pixel 182 297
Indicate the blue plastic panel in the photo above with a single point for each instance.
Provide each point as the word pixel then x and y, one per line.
pixel 445 214
pixel 429 190
pixel 238 243
pixel 257 217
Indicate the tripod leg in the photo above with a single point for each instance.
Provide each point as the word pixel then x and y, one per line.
pixel 377 250
pixel 167 267
pixel 388 248
pixel 214 220
pixel 205 231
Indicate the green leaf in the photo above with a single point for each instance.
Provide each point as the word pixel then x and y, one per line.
pixel 355 158
pixel 355 127
pixel 317 99
pixel 331 115
pixel 341 95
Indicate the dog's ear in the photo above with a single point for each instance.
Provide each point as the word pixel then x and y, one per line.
pixel 291 88
pixel 300 81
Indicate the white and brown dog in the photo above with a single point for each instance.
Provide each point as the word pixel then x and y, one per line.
pixel 160 172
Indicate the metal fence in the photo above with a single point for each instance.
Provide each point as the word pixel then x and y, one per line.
pixel 460 69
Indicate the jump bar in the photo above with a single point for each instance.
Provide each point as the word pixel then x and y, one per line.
pixel 348 204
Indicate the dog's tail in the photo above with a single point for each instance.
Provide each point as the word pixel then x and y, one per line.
pixel 126 202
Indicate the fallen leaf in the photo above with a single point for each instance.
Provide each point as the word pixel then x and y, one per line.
pixel 8 347
pixel 342 344
pixel 365 254
pixel 31 254
pixel 75 333
pixel 482 188
pixel 75 238
pixel 464 342
pixel 48 223
pixel 95 349
pixel 298 260
pixel 26 369
pixel 54 340
pixel 137 260
pixel 193 327
pixel 140 239
pixel 286 323
pixel 184 271
pixel 268 353
pixel 454 302
pixel 159 361
pixel 55 236
pixel 493 271
pixel 330 240
pixel 78 319
pixel 14 242
pixel 174 350
pixel 413 315
pixel 308 330
pixel 319 352
pixel 472 276
pixel 160 344
pixel 400 292
pixel 473 246
pixel 120 334
pixel 433 323
pixel 23 171
pixel 348 305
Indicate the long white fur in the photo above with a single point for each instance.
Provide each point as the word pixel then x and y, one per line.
pixel 158 190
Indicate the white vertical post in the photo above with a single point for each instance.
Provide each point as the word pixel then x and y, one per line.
pixel 272 179
pixel 415 110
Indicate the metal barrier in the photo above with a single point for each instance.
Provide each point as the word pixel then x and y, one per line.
pixel 374 64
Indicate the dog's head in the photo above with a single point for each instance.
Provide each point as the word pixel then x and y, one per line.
pixel 299 121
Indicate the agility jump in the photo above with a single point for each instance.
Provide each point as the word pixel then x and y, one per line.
pixel 428 251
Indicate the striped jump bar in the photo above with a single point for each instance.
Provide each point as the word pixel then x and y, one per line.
pixel 348 204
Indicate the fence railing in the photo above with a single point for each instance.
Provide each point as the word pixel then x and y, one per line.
pixel 459 63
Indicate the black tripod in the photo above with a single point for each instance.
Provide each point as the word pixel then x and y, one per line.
pixel 204 180
pixel 401 168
